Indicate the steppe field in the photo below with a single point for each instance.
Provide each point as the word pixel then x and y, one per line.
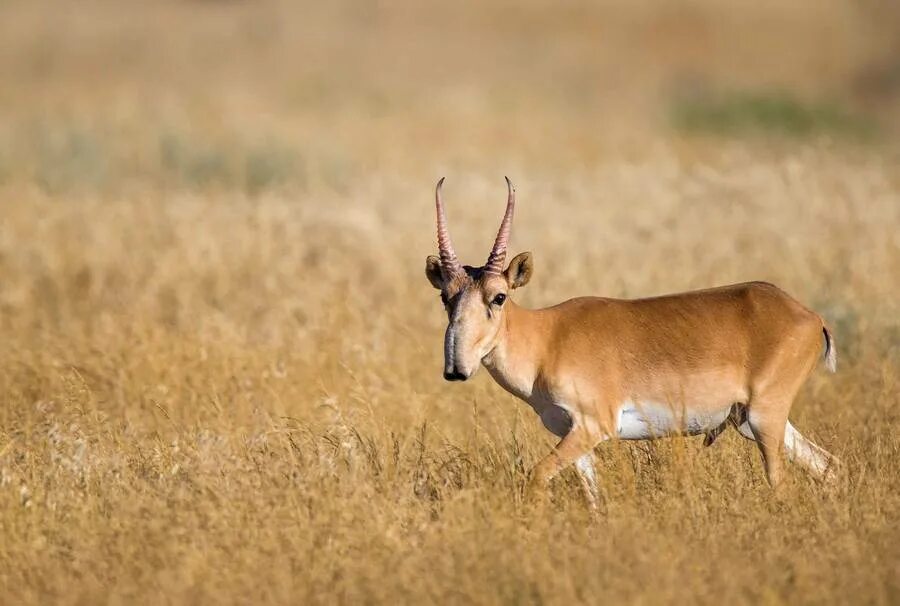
pixel 220 359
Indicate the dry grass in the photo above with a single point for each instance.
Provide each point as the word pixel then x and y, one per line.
pixel 220 358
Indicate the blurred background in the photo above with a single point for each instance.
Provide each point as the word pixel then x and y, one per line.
pixel 194 94
pixel 220 360
pixel 660 124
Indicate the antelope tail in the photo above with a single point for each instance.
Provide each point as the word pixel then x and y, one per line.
pixel 830 351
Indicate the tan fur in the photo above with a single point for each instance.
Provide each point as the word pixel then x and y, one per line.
pixel 737 353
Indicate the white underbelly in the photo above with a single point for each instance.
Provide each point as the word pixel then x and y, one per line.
pixel 648 421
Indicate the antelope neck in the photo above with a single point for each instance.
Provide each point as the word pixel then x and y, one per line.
pixel 516 359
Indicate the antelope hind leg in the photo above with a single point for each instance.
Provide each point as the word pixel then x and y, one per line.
pixel 809 455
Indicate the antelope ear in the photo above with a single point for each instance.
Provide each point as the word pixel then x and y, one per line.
pixel 519 271
pixel 433 271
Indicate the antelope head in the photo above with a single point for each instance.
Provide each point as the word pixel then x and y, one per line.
pixel 474 297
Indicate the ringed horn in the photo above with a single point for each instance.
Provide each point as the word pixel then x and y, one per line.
pixel 449 262
pixel 498 254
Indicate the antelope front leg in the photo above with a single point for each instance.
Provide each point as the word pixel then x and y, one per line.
pixel 577 444
pixel 585 464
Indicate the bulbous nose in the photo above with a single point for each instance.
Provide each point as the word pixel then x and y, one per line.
pixel 454 375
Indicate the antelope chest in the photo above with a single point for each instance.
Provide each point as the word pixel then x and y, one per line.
pixel 555 417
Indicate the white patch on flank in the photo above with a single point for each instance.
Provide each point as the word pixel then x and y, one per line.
pixel 646 421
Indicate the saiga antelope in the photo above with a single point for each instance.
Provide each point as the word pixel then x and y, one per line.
pixel 596 368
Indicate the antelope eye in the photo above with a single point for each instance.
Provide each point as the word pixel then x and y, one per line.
pixel 499 299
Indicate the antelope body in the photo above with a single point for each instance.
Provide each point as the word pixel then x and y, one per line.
pixel 596 368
